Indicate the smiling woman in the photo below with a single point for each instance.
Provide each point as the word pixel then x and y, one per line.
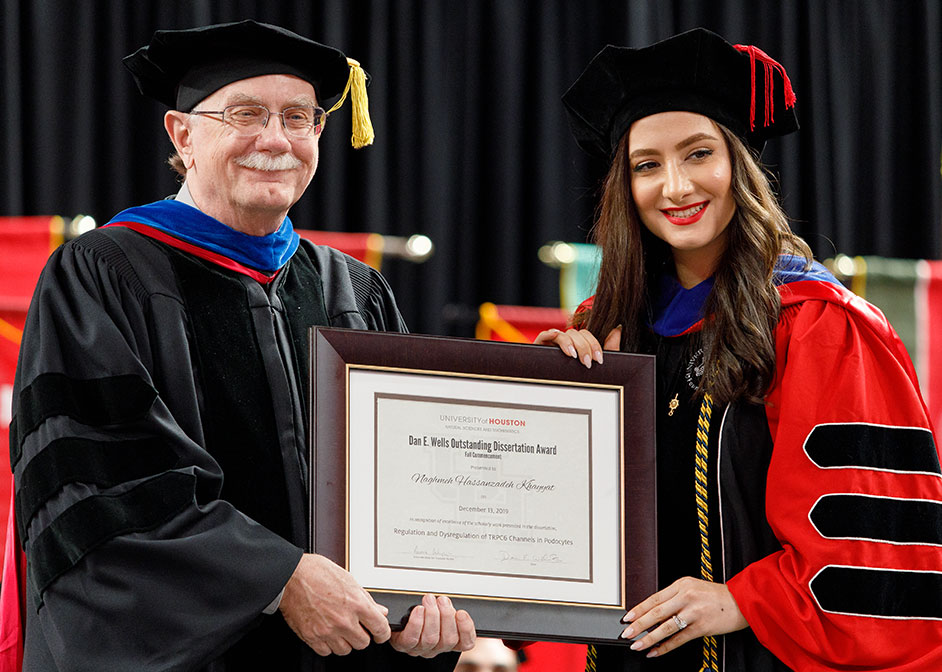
pixel 680 179
pixel 758 348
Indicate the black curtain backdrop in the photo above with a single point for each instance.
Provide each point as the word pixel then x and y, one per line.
pixel 472 146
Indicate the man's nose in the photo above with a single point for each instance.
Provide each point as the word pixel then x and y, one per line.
pixel 274 134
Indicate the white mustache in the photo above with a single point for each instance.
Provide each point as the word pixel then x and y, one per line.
pixel 270 162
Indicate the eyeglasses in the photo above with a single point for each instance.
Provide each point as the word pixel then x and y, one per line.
pixel 248 120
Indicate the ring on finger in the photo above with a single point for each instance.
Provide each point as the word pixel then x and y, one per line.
pixel 679 622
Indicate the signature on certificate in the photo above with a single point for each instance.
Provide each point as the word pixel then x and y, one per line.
pixel 420 553
pixel 532 558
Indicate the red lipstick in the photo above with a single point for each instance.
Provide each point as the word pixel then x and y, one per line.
pixel 686 215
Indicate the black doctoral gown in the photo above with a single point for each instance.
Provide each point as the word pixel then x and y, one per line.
pixel 159 451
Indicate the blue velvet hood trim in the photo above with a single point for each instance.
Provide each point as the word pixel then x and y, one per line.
pixel 677 310
pixel 264 253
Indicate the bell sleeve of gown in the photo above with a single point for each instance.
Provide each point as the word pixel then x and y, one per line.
pixel 134 563
pixel 854 495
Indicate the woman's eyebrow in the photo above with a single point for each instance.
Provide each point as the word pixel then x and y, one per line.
pixel 696 137
pixel 686 142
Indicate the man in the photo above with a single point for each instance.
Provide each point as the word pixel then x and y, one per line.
pixel 159 433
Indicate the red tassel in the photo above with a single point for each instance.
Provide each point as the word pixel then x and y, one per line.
pixel 769 63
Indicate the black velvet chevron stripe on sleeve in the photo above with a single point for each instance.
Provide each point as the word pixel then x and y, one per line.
pixel 75 460
pixel 95 520
pixel 886 593
pixel 877 591
pixel 94 402
pixel 867 446
pixel 890 519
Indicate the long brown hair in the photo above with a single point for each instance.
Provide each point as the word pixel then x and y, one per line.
pixel 743 307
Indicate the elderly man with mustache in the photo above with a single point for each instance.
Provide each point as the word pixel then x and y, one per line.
pixel 160 433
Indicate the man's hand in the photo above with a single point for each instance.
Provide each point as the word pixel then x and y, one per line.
pixel 329 610
pixel 435 627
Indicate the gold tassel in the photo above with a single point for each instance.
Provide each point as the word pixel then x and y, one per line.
pixel 356 86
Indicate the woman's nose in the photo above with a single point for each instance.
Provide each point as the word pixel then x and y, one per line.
pixel 676 182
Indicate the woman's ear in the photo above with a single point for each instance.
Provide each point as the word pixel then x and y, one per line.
pixel 177 126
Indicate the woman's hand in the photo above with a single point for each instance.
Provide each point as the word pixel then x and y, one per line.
pixel 687 609
pixel 580 344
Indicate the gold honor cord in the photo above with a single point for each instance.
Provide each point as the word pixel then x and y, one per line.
pixel 701 464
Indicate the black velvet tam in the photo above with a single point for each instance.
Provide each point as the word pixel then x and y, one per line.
pixel 182 67
pixel 698 71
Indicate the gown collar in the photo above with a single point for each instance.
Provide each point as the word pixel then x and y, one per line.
pixel 678 311
pixel 181 219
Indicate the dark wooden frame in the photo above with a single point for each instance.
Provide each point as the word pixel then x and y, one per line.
pixel 333 349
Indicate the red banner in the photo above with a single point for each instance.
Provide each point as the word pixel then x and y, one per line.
pixel 517 324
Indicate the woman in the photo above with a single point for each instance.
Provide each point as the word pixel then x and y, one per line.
pixel 799 488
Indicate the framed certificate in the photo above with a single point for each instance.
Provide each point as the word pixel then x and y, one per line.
pixel 507 476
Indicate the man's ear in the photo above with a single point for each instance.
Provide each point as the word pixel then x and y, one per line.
pixel 179 131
